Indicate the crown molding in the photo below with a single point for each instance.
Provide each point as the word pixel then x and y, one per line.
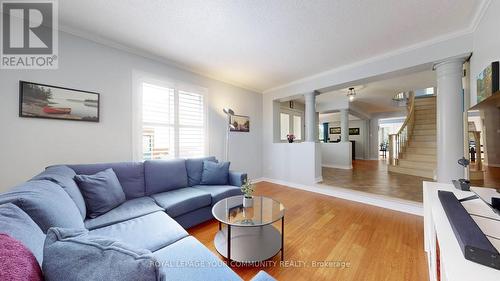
pixel 122 47
pixel 373 59
pixel 466 31
pixel 483 7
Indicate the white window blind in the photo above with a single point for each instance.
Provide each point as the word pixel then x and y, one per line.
pixel 173 123
pixel 191 125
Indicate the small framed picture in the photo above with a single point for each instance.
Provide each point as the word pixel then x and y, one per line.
pixel 334 130
pixel 52 102
pixel 239 123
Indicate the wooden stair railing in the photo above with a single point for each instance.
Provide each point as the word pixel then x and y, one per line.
pixel 399 142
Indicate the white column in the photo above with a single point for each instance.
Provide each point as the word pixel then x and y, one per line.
pixel 344 124
pixel 310 116
pixel 450 140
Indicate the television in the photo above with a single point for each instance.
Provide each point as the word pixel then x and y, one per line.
pixel 488 82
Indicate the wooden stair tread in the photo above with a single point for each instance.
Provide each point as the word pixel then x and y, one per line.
pixel 412 171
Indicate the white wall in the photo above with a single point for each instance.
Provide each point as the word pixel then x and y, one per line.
pixel 486 45
pixel 28 145
pixel 295 162
pixel 360 140
pixel 336 155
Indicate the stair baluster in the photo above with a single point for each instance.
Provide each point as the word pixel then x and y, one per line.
pixel 399 142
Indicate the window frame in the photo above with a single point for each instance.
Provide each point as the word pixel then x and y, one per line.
pixel 291 114
pixel 140 78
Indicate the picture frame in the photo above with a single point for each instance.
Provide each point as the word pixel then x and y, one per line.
pixel 239 123
pixel 336 131
pixel 488 81
pixel 353 131
pixel 59 103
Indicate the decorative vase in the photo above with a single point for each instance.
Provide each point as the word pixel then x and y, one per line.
pixel 247 202
pixel 290 141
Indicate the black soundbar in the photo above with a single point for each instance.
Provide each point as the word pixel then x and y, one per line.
pixel 473 242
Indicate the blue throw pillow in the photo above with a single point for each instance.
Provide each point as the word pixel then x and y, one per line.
pixel 194 167
pixel 215 173
pixel 102 192
pixel 71 254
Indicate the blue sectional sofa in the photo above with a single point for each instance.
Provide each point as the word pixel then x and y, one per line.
pixel 162 199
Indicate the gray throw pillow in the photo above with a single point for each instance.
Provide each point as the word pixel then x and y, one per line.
pixel 71 254
pixel 215 173
pixel 102 192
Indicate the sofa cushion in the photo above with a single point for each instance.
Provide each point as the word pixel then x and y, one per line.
pixel 17 263
pixel 75 255
pixel 18 225
pixel 101 191
pixel 64 176
pixel 237 178
pixel 127 210
pixel 194 168
pixel 46 203
pixel 130 175
pixel 164 175
pixel 215 173
pixel 151 232
pixel 180 201
pixel 219 192
pixel 176 262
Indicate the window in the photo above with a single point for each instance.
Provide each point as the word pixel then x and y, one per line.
pixel 321 132
pixel 284 125
pixel 173 122
pixel 290 124
pixel 297 127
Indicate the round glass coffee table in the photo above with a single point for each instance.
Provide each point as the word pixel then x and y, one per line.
pixel 248 234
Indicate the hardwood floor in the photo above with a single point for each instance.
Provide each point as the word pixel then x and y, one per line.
pixel 491 178
pixel 372 176
pixel 373 243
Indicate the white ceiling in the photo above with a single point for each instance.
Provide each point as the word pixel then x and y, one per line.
pixel 376 97
pixel 261 44
pixel 334 117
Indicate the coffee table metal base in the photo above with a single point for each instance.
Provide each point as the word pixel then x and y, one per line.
pixel 248 244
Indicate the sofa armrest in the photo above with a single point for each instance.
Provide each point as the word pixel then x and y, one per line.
pixel 262 276
pixel 237 178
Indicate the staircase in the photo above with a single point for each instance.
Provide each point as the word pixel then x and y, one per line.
pixel 412 150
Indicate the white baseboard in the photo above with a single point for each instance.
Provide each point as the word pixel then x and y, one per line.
pixel 345 167
pixel 257 180
pixel 396 204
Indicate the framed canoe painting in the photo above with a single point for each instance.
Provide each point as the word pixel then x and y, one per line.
pixel 52 102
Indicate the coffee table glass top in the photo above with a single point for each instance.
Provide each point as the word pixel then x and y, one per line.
pixel 262 211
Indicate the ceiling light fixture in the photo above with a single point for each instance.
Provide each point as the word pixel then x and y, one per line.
pixel 351 94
